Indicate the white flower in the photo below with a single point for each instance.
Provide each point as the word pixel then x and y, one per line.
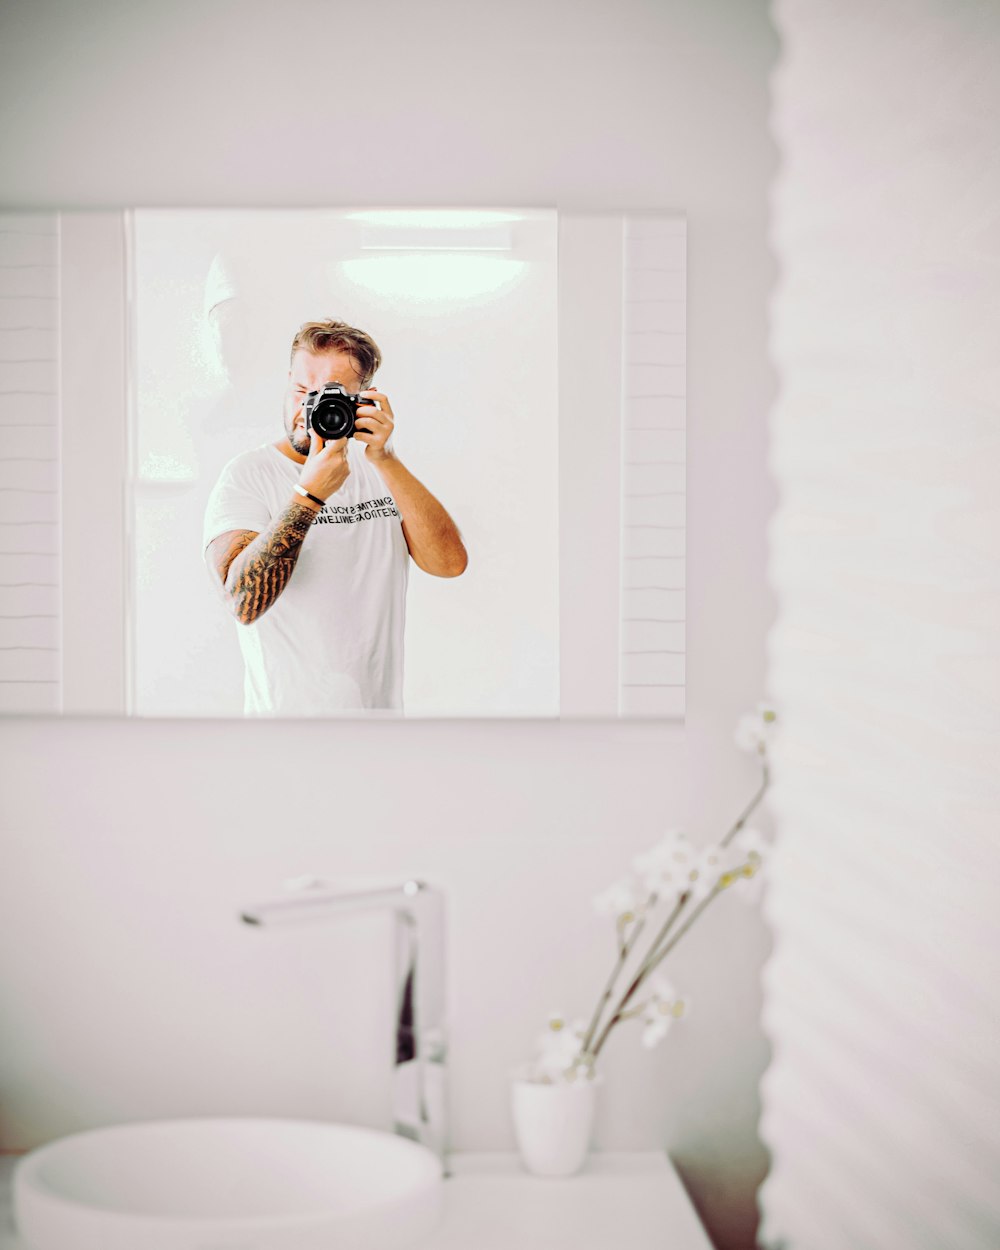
pixel 753 851
pixel 754 729
pixel 581 1069
pixel 660 989
pixel 661 1011
pixel 655 1030
pixel 665 869
pixel 558 1046
pixel 619 900
pixel 750 844
pixel 710 865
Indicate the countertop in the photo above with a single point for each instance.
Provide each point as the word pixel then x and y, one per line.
pixel 492 1203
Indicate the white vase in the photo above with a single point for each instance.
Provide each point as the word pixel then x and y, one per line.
pixel 553 1123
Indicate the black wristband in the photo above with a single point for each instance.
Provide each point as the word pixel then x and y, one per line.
pixel 305 495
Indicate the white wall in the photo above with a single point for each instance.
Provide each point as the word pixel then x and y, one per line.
pixel 129 988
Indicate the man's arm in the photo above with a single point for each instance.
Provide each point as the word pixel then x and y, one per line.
pixel 254 569
pixel 431 535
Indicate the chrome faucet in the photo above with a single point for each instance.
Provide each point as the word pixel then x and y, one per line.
pixel 419 1095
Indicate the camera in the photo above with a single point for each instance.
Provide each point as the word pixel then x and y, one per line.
pixel 331 412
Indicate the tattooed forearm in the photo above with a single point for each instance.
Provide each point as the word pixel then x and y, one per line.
pixel 260 567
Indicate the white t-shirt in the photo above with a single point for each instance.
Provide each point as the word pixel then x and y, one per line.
pixel 333 639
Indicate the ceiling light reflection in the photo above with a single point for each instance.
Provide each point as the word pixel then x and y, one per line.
pixel 433 278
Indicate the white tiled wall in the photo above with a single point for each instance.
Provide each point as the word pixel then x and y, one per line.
pixel 651 673
pixel 30 676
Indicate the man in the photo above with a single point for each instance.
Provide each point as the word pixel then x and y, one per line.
pixel 310 542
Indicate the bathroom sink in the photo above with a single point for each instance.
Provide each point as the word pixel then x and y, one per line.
pixel 227 1184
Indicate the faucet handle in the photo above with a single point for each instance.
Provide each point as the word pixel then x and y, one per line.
pixel 435 1045
pixel 306 882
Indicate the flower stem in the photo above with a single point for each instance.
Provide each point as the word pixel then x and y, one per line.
pixel 652 959
pixel 606 996
pixel 624 950
pixel 667 926
pixel 742 819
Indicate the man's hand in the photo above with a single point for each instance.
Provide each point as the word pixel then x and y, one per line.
pixel 374 426
pixel 326 468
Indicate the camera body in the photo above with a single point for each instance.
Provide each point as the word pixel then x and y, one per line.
pixel 332 411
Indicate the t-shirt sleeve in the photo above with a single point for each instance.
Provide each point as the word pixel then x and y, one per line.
pixel 234 504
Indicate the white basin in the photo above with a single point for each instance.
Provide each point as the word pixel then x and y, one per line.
pixel 227 1184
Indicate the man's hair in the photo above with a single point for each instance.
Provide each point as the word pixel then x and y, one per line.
pixel 328 336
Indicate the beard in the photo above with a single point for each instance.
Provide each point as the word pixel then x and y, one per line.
pixel 300 441
pixel 297 436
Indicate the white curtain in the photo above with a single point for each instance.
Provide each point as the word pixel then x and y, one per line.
pixel 883 991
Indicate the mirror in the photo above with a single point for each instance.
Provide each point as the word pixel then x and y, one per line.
pixel 532 365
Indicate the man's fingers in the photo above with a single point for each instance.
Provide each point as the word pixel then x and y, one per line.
pixel 336 447
pixel 373 422
pixel 383 400
pixel 315 443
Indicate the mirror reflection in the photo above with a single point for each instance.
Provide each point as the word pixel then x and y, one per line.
pixel 344 451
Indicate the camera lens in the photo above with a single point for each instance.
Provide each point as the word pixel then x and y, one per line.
pixel 332 415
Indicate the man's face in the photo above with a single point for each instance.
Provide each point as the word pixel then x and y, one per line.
pixel 311 371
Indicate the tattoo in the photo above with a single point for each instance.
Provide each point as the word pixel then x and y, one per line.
pixel 255 569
